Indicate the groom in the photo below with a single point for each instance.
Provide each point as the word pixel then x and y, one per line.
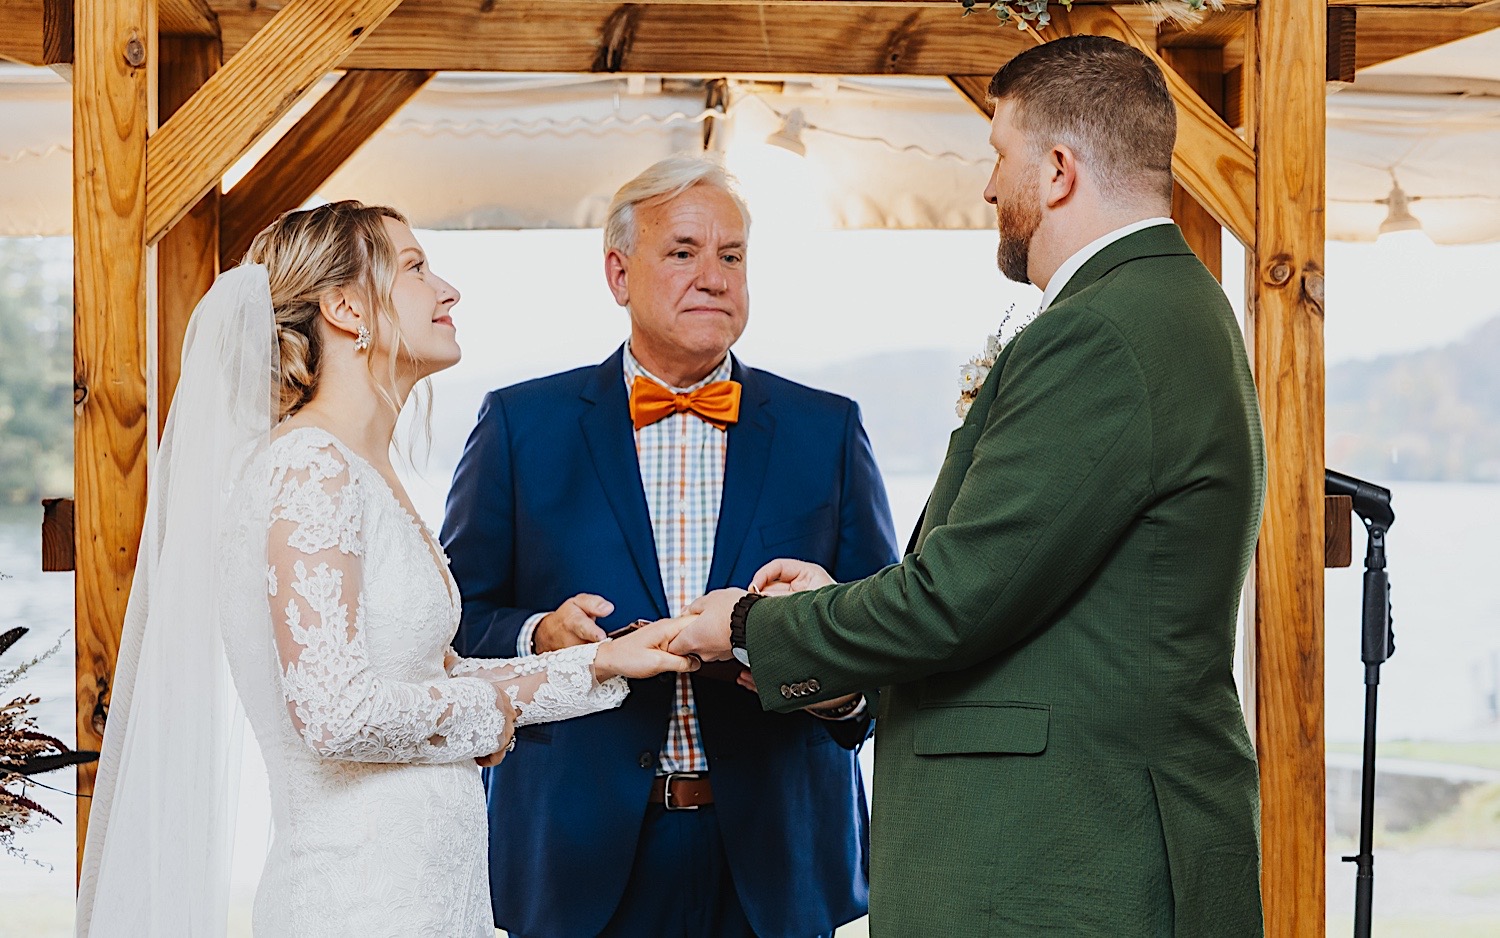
pixel 1062 750
pixel 589 499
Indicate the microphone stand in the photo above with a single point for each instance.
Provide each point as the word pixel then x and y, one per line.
pixel 1378 641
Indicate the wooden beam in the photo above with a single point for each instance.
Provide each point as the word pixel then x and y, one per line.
pixel 803 38
pixel 1340 54
pixel 312 151
pixel 57 535
pixel 1203 71
pixel 113 110
pixel 187 18
pixel 976 88
pixel 188 256
pixel 301 43
pixel 1213 164
pixel 1284 312
pixel 1338 531
pixel 1382 35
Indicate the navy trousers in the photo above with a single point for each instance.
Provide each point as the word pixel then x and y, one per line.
pixel 680 885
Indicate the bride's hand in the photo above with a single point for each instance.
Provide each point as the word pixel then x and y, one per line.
pixel 508 738
pixel 643 652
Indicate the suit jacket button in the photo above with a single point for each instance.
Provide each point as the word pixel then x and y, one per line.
pixel 647 760
pixel 786 692
pixel 813 686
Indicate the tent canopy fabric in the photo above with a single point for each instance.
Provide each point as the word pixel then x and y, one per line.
pixel 492 151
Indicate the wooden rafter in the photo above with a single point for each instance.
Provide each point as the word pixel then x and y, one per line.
pixel 301 43
pixel 1384 34
pixel 1210 162
pixel 188 255
pixel 313 150
pixel 187 18
pixel 112 108
pixel 1203 70
pixel 672 38
pixel 1284 318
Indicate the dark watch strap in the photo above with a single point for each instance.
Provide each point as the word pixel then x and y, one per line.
pixel 737 618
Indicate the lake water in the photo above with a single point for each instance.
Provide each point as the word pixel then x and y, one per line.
pixel 1440 685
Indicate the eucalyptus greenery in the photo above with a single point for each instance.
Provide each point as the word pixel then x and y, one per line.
pixel 1033 14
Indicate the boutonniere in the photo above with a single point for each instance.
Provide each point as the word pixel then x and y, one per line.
pixel 973 373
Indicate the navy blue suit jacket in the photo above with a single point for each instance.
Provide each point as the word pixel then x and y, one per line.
pixel 547 502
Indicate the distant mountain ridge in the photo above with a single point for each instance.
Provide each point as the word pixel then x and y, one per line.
pixel 1427 415
pixel 1432 414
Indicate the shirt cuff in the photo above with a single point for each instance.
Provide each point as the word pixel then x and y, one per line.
pixel 524 645
pixel 855 714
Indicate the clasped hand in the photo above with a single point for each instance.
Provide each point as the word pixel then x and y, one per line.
pixel 705 628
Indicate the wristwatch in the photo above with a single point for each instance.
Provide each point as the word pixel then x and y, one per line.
pixel 737 627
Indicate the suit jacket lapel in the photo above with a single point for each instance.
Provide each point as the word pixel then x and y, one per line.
pixel 611 443
pixel 1156 241
pixel 744 474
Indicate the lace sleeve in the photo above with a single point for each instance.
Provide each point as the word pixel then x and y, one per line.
pixel 557 685
pixel 338 704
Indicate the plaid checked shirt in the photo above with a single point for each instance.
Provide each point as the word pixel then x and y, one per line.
pixel 682 471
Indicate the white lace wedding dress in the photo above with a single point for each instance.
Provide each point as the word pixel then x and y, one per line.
pixel 369 740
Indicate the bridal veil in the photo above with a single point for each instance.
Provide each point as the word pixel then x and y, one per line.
pixel 157 856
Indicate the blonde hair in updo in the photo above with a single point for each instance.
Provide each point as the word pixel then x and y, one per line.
pixel 308 253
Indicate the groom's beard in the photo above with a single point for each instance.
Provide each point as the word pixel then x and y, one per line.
pixel 1019 219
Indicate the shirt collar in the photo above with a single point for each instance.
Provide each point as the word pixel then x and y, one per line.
pixel 634 369
pixel 1073 264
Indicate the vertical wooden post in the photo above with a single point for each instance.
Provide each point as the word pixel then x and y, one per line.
pixel 114 95
pixel 1284 306
pixel 1203 70
pixel 187 255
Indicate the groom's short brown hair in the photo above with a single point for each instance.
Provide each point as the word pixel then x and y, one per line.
pixel 1104 100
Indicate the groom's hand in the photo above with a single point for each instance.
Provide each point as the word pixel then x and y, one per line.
pixel 707 633
pixel 789 576
pixel 572 623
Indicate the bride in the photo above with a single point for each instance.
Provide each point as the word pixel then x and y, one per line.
pixel 281 551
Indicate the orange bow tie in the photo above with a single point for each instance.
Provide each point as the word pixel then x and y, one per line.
pixel 717 403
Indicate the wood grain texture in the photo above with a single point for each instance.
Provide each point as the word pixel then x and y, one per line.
pixel 1338 531
pixel 1340 59
pixel 1385 34
pixel 672 38
pixel 1284 310
pixel 57 535
pixel 187 257
pixel 1202 69
pixel 187 18
pixel 357 106
pixel 21 35
pixel 191 152
pixel 1210 162
pixel 976 89
pixel 113 108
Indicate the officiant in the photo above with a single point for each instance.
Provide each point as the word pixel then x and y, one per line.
pixel 621 491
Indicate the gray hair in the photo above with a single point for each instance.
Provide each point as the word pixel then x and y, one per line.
pixel 663 180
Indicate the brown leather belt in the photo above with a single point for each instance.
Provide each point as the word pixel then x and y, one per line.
pixel 683 791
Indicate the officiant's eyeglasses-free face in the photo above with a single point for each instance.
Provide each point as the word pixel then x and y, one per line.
pixel 685 282
pixel 423 303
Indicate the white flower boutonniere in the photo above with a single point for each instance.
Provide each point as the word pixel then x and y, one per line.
pixel 972 375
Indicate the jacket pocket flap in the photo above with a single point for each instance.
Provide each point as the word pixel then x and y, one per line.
pixel 954 729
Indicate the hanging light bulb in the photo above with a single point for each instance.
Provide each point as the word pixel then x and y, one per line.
pixel 1398 216
pixel 789 135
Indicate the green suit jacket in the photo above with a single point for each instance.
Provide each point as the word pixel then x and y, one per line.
pixel 1060 746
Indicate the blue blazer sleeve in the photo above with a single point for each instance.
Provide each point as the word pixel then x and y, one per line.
pixel 479 537
pixel 867 543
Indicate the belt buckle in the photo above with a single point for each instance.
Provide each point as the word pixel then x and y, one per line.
pixel 667 791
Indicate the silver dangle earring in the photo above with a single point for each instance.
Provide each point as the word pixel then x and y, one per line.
pixel 362 338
